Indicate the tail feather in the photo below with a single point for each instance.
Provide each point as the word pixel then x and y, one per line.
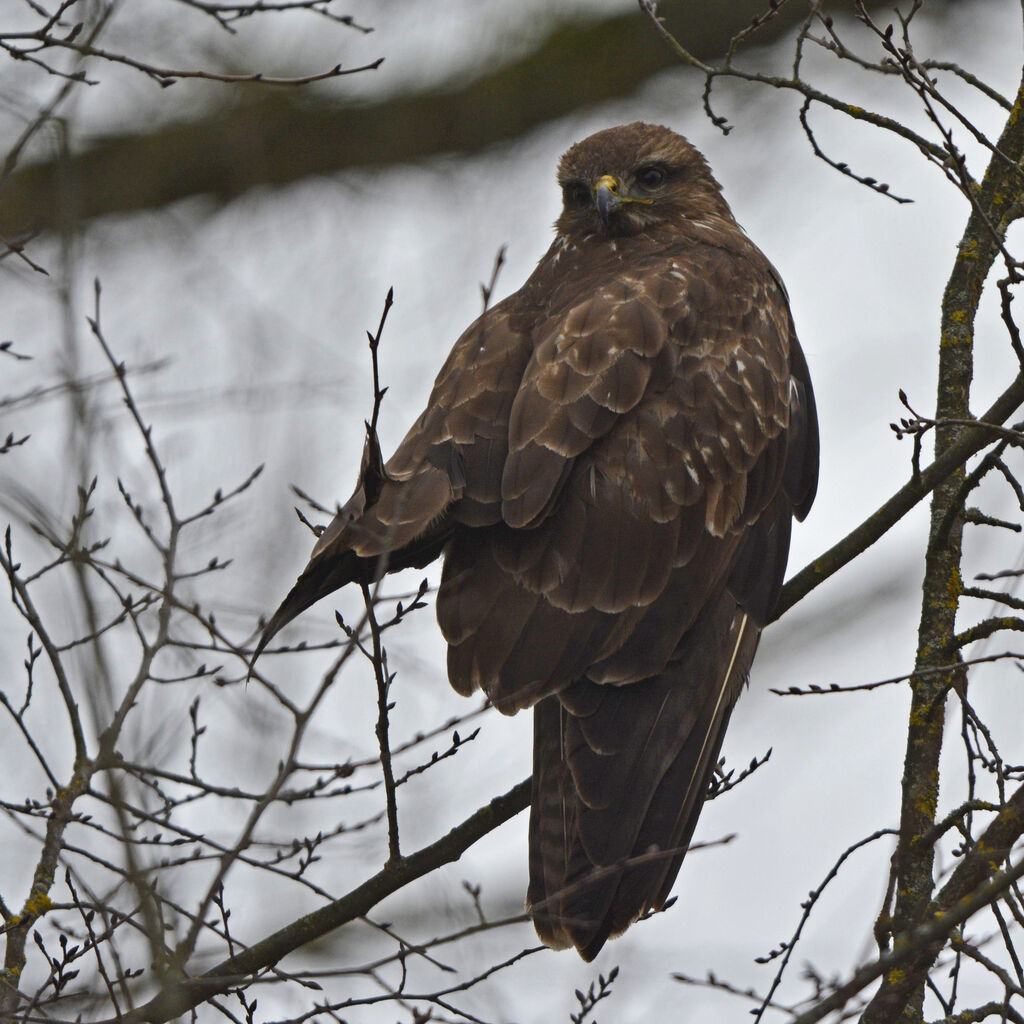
pixel 620 776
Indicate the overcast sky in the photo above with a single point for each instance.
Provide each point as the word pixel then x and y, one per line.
pixel 260 308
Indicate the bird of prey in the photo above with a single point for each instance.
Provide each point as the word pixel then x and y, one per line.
pixel 609 463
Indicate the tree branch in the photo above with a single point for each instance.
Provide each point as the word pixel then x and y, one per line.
pixel 176 1000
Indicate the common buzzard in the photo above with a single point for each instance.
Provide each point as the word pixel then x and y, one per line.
pixel 609 463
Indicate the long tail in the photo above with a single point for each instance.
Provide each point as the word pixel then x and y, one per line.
pixel 620 776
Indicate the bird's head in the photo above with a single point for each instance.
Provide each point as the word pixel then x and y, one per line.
pixel 630 179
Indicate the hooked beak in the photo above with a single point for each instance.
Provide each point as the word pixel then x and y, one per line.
pixel 607 197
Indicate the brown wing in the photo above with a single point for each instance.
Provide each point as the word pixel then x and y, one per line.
pixel 646 441
pixel 446 471
pixel 659 521
pixel 589 368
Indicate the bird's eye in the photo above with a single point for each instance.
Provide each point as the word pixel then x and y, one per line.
pixel 575 194
pixel 651 176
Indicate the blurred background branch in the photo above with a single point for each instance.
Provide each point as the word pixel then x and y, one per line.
pixel 171 834
pixel 254 135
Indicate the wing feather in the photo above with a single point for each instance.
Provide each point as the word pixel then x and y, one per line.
pixel 589 367
pixel 665 493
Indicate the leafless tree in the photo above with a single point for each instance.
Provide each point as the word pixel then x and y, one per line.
pixel 143 858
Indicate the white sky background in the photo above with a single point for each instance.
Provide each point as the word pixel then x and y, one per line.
pixel 261 306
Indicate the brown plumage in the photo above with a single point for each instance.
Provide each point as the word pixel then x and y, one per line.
pixel 609 462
